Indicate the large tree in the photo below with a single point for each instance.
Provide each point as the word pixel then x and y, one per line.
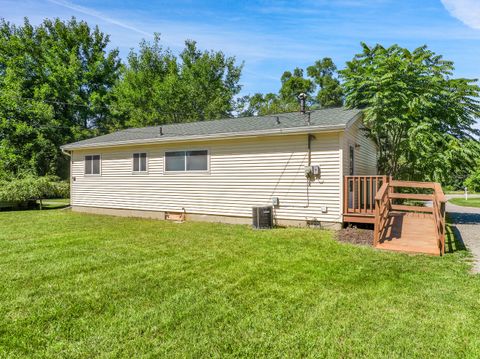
pixel 54 84
pixel 323 73
pixel 292 85
pixel 322 87
pixel 420 117
pixel 158 87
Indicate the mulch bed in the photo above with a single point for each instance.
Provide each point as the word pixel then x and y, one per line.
pixel 355 236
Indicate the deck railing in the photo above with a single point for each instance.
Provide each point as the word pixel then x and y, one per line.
pixel 439 204
pixel 383 206
pixel 385 202
pixel 359 194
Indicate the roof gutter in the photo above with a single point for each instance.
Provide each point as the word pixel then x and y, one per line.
pixel 216 136
pixel 66 152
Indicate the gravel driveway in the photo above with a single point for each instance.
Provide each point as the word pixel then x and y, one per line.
pixel 466 225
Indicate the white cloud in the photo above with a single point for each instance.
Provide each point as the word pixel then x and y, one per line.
pixel 467 11
pixel 94 13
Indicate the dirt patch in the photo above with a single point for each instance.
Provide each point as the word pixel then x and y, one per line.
pixel 356 236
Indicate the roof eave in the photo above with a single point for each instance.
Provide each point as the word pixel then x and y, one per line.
pixel 216 136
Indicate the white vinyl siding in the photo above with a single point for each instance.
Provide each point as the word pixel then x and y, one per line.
pixel 364 150
pixel 242 173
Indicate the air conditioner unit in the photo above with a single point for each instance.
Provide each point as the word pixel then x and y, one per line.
pixel 262 217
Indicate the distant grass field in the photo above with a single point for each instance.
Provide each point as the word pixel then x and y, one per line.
pixel 471 202
pixel 459 192
pixel 80 286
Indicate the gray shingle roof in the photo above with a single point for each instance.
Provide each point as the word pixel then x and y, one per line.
pixel 323 118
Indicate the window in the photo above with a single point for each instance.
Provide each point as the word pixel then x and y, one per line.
pixel 139 162
pixel 181 161
pixel 175 161
pixel 197 160
pixel 92 165
pixel 352 161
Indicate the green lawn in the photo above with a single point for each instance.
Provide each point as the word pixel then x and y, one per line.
pixel 471 202
pixel 79 286
pixel 55 203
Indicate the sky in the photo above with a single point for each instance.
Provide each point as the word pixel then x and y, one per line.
pixel 273 36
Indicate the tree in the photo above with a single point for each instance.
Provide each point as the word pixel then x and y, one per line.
pixel 54 84
pixel 321 76
pixel 472 182
pixel 293 84
pixel 261 105
pixel 157 87
pixel 420 117
pixel 33 188
pixel 330 93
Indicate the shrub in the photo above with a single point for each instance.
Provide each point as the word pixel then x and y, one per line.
pixel 33 188
pixel 62 189
pixel 473 181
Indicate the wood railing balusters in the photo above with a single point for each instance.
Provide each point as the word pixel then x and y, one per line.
pixel 364 197
pixel 371 196
pixel 359 194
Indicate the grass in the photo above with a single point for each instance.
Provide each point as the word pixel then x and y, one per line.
pixel 471 202
pixel 55 203
pixel 79 286
pixel 460 192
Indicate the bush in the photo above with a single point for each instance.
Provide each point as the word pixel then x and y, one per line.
pixel 62 189
pixel 473 181
pixel 33 188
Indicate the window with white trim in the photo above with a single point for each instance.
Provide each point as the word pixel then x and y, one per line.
pixel 186 161
pixel 92 165
pixel 139 162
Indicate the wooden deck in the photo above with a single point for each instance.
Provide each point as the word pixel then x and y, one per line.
pixel 410 228
pixel 411 233
pixel 359 198
pixel 400 224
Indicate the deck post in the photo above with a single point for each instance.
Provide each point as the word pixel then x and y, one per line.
pixel 442 236
pixel 376 227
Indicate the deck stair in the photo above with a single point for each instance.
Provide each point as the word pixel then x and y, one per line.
pixel 410 228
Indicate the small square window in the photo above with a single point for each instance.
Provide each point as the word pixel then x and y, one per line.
pixel 92 165
pixel 139 162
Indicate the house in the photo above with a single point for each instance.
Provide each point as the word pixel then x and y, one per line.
pixel 218 170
